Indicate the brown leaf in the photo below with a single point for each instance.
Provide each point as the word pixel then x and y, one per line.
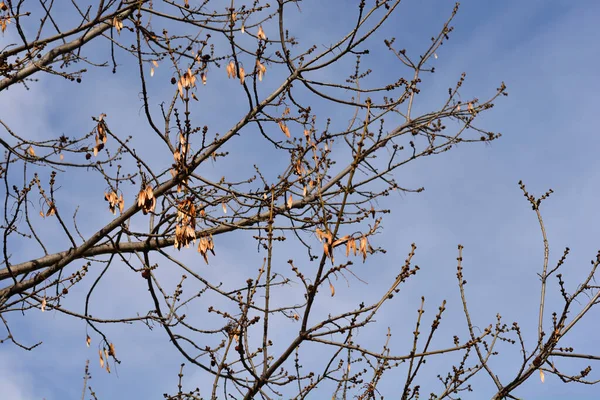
pixel 231 70
pixel 284 128
pixel 319 234
pixel 261 34
pixel 261 69
pixel 187 80
pixel 206 244
pixel 351 247
pixel 4 23
pixel 141 198
pixel 242 75
pixel 290 202
pixel 146 200
pixel 363 247
pixel 332 289
pixel 118 25
pixel 542 378
pixel 101 132
pixel 211 245
pixel 111 350
pixel 88 340
pixel 149 192
pixel 101 359
pixel 43 306
pixel 471 108
pixel 31 151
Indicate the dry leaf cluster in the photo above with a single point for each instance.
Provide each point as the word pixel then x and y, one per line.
pixel 146 200
pixel 114 202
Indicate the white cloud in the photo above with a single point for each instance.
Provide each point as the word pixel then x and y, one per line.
pixel 16 382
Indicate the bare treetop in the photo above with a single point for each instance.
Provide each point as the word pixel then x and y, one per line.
pixel 324 130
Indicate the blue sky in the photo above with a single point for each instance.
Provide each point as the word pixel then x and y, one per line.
pixel 547 54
